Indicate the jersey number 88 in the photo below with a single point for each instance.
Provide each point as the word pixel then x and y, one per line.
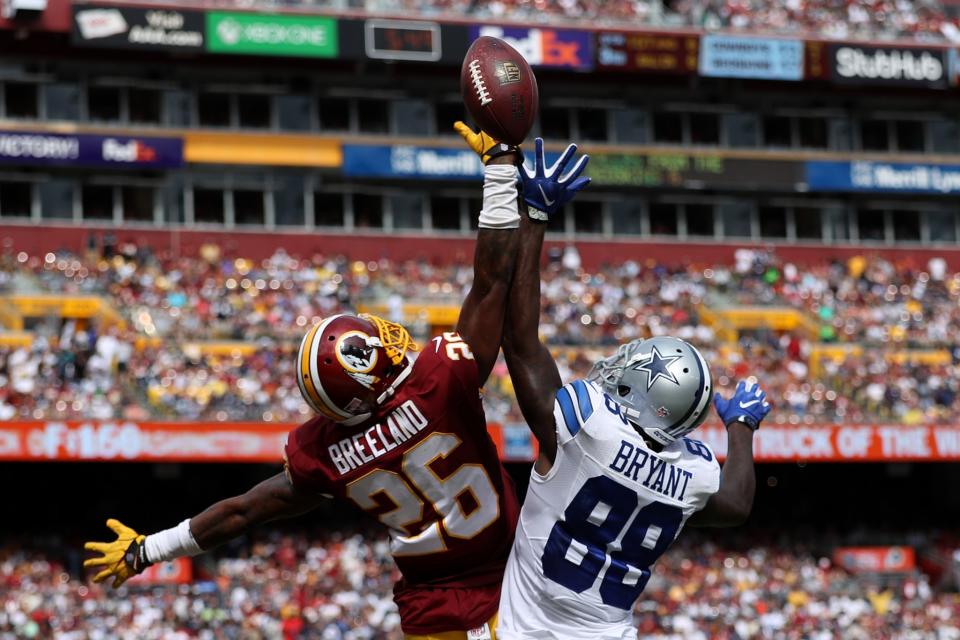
pixel 590 532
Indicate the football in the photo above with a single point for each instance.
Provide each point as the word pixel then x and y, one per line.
pixel 499 89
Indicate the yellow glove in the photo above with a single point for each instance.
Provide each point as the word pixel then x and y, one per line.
pixel 123 558
pixel 482 143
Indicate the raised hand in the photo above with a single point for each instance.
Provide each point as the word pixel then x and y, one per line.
pixel 547 189
pixel 748 405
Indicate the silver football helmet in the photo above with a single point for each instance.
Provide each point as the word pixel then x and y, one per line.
pixel 662 385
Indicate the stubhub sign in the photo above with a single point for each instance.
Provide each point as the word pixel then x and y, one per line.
pixel 567 48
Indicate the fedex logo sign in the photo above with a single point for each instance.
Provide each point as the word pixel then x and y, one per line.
pixel 84 149
pixel 132 151
pixel 566 48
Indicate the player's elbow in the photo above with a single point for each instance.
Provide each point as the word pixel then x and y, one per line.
pixel 739 517
pixel 738 512
pixel 518 348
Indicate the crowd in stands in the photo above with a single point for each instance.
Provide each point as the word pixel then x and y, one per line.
pixel 868 312
pixel 337 586
pixel 702 591
pixel 924 20
pixel 328 586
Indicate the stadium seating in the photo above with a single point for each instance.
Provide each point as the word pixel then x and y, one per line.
pixel 338 586
pixel 230 357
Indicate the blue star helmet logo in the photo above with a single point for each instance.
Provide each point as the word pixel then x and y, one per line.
pixel 657 366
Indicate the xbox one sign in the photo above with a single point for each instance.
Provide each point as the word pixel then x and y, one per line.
pixel 229 32
pixel 271 35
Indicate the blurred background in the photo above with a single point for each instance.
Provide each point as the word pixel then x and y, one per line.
pixel 186 188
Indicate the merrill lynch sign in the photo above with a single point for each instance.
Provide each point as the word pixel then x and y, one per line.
pixel 874 175
pixel 414 161
pixel 883 176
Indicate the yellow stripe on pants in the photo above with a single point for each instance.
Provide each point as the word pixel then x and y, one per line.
pixel 456 635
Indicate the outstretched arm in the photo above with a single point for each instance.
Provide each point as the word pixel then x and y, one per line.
pixel 481 316
pixel 532 368
pixel 731 505
pixel 132 552
pixel 272 499
pixel 742 414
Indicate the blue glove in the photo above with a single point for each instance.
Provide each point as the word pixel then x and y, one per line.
pixel 544 189
pixel 748 405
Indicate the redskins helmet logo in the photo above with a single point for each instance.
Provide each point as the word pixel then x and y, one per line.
pixel 356 353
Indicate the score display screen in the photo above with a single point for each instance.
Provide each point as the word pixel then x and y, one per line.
pixel 402 40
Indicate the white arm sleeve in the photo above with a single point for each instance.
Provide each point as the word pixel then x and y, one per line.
pixel 172 543
pixel 500 209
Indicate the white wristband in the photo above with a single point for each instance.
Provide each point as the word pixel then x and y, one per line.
pixel 172 543
pixel 500 210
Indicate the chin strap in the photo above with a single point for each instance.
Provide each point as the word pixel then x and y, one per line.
pixel 389 391
pixel 349 422
pixel 383 397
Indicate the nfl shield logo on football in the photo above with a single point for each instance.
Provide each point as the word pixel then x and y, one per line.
pixel 507 72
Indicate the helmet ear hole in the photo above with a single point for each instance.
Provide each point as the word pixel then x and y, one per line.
pixel 623 390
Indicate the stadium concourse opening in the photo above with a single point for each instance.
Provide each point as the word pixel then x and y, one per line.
pixel 836 500
pixel 331 565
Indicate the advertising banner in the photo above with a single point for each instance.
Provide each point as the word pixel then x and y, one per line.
pixel 132 28
pixel 606 169
pixel 820 443
pixel 407 161
pixel 272 35
pixel 650 53
pixel 404 161
pixel 143 441
pixel 277 149
pixel 263 442
pixel 901 66
pixel 683 169
pixel 760 58
pixel 875 559
pixel 816 61
pixel 41 148
pixel 545 47
pixel 178 571
pixel 889 177
pixel 845 443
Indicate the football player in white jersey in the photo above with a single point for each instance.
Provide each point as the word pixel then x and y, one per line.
pixel 616 478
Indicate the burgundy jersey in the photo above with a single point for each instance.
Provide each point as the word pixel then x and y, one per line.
pixel 425 467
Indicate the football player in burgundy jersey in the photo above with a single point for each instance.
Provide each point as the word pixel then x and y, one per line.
pixel 403 439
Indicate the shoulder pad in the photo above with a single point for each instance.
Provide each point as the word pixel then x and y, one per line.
pixel 575 404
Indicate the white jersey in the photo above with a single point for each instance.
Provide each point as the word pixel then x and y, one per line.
pixel 593 526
